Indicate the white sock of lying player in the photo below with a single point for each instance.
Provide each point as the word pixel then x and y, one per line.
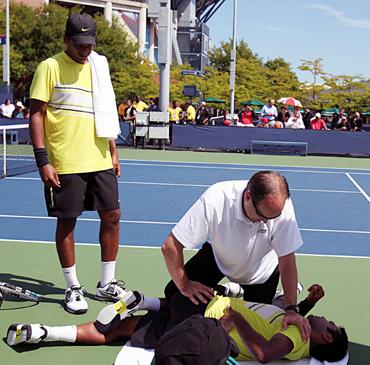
pixel 35 333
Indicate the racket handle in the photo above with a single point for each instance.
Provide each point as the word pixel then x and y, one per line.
pixel 19 292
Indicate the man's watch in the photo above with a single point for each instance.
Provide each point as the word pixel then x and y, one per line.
pixel 292 307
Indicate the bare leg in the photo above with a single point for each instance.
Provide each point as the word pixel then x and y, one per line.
pixel 64 238
pixel 109 234
pixel 88 334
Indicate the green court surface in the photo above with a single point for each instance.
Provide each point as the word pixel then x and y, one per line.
pixel 346 279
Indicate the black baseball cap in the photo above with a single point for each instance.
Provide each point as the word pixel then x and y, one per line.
pixel 81 28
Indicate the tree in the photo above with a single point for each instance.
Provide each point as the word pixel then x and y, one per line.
pixel 349 92
pixel 282 81
pixel 37 33
pixel 315 67
pixel 140 80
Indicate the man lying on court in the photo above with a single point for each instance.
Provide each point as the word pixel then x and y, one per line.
pixel 255 328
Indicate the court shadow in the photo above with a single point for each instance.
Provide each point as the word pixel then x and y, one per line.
pixel 358 354
pixel 40 287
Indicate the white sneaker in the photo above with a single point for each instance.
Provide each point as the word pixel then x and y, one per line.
pixel 29 333
pixel 75 302
pixel 230 289
pixel 113 291
pixel 111 315
pixel 280 292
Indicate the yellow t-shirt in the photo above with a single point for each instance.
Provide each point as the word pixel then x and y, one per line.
pixel 190 113
pixel 175 114
pixel 70 137
pixel 140 106
pixel 263 318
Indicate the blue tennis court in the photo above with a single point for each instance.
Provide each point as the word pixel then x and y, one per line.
pixel 332 205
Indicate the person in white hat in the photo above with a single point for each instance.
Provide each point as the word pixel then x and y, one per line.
pixel 317 123
pixel 18 110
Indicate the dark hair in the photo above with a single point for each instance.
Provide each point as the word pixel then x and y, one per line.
pixel 264 183
pixel 333 351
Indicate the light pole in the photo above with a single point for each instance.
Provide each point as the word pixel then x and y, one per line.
pixel 233 64
pixel 6 48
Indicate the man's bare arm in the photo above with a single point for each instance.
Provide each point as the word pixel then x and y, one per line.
pixel 115 158
pixel 264 351
pixel 37 131
pixel 37 113
pixel 289 278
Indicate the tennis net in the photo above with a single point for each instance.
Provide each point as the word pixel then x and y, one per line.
pixel 16 155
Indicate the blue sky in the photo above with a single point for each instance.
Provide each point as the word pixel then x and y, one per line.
pixel 338 31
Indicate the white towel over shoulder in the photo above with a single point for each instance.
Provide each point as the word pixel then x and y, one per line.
pixel 104 100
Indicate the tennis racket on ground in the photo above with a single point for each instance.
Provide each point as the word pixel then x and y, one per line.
pixel 18 292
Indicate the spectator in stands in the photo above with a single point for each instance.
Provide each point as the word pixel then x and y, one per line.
pixel 130 112
pixel 295 121
pixel 6 109
pixel 121 109
pixel 18 110
pixel 283 115
pixel 202 115
pixel 155 106
pixel 139 105
pixel 307 115
pixel 263 123
pixel 269 111
pixel 357 124
pixel 175 112
pixel 337 119
pixel 317 123
pixel 26 113
pixel 246 116
pixel 343 125
pixel 190 114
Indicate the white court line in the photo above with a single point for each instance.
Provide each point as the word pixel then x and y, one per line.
pixel 236 168
pixel 122 160
pixel 81 219
pixel 333 230
pixel 169 223
pixel 362 191
pixel 2 240
pixel 196 185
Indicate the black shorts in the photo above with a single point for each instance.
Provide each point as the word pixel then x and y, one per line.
pixel 86 191
pixel 153 325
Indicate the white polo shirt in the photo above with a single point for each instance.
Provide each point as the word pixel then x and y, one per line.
pixel 246 252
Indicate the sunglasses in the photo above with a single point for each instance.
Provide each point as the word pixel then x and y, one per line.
pixel 259 212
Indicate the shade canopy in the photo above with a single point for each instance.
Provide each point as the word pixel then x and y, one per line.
pixel 253 102
pixel 329 111
pixel 214 100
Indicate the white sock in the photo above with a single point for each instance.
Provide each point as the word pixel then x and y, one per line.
pixel 151 304
pixel 62 333
pixel 70 276
pixel 107 273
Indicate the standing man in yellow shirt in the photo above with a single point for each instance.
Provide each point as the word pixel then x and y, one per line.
pixel 190 113
pixel 175 112
pixel 139 105
pixel 78 168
